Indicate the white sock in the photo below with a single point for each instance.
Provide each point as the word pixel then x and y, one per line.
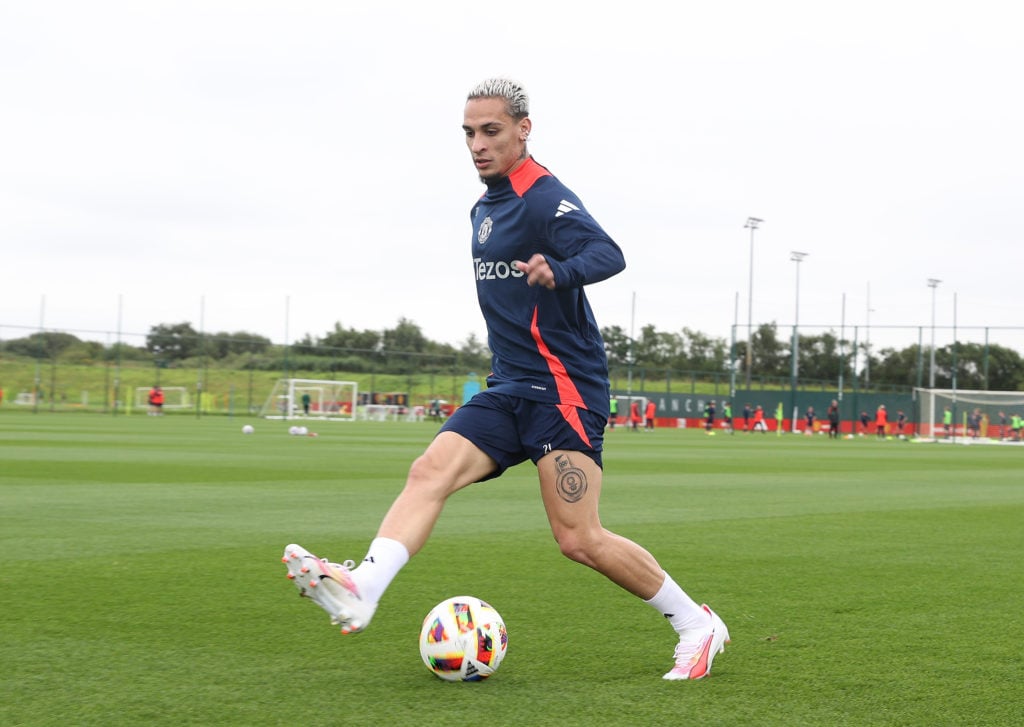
pixel 681 611
pixel 380 566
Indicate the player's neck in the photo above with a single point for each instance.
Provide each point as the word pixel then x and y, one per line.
pixel 492 181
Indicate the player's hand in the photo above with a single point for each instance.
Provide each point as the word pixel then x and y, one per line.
pixel 537 271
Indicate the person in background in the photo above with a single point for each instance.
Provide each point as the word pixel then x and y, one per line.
pixel 974 424
pixel 759 423
pixel 652 409
pixel 156 401
pixel 809 421
pixel 833 419
pixel 881 421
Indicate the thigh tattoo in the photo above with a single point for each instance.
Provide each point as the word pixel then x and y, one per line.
pixel 571 482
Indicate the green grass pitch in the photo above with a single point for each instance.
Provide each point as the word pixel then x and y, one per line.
pixel 864 582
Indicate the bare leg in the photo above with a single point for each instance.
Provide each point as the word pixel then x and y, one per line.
pixel 570 485
pixel 450 463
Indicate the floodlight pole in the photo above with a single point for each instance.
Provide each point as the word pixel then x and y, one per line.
pixel 867 344
pixel 630 358
pixel 842 352
pixel 751 224
pixel 732 347
pixel 933 283
pixel 796 257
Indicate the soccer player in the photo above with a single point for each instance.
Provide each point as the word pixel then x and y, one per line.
pixel 974 423
pixel 881 421
pixel 709 417
pixel 634 415
pixel 809 418
pixel 759 424
pixel 534 247
pixel 833 420
pixel 649 413
pixel 156 401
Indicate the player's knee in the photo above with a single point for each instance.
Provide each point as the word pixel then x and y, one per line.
pixel 576 545
pixel 426 475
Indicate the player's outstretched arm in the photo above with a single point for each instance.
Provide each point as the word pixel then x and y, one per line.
pixel 598 262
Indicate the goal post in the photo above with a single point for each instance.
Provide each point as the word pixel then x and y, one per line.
pixel 971 412
pixel 312 399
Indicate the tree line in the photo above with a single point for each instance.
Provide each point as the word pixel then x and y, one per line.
pixel 821 358
pixel 404 348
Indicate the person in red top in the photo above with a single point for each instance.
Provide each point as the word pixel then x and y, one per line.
pixel 156 401
pixel 634 414
pixel 759 424
pixel 649 414
pixel 881 420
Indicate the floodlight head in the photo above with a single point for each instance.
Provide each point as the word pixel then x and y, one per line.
pixel 797 256
pixel 752 223
pixel 933 282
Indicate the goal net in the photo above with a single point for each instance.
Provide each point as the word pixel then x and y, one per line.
pixel 972 413
pixel 312 399
pixel 175 397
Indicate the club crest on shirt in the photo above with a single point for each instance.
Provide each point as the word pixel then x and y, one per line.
pixel 484 231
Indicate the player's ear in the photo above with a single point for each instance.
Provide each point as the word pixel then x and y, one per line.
pixel 524 129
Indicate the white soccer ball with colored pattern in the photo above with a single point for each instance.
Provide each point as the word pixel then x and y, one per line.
pixel 463 639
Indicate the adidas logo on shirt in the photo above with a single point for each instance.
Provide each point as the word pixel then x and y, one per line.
pixel 565 208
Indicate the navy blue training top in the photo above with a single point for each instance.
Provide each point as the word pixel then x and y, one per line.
pixel 545 344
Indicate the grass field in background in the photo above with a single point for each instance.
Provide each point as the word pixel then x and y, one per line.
pixel 864 582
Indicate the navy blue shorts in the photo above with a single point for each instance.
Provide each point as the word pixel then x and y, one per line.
pixel 511 429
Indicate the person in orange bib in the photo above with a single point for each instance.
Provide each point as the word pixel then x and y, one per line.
pixel 881 421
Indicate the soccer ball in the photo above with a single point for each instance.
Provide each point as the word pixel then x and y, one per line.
pixel 248 429
pixel 293 430
pixel 463 639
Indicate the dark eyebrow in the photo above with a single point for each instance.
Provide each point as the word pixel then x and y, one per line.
pixel 485 125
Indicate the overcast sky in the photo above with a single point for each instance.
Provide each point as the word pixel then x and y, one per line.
pixel 278 167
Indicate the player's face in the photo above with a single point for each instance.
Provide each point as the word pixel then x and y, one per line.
pixel 496 140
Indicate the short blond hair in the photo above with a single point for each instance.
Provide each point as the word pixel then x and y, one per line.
pixel 517 101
